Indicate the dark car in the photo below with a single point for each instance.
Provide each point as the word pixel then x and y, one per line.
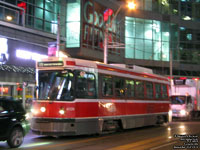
pixel 13 123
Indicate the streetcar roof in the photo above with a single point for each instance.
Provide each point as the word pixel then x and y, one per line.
pixel 60 63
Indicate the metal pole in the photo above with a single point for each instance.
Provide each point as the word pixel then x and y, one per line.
pixel 106 35
pixel 23 95
pixel 23 18
pixel 171 65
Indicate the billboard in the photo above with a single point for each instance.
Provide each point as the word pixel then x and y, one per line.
pixel 95 17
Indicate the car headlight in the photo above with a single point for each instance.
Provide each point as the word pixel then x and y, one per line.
pixel 183 112
pixel 28 116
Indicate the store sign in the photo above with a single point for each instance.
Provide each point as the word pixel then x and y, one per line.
pixel 96 16
pixel 23 54
pixel 3 51
pixel 179 82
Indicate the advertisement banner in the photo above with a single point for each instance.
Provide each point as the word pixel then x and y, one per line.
pixel 95 17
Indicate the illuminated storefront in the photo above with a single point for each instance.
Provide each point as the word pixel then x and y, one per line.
pixel 147 39
pixel 17 63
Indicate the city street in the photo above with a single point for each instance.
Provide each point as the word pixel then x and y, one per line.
pixel 176 135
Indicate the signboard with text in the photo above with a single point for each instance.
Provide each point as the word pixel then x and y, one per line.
pixel 95 17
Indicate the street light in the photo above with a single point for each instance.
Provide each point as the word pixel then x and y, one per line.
pixel 131 5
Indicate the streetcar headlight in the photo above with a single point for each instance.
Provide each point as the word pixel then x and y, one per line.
pixel 183 112
pixel 42 109
pixel 61 111
pixel 34 111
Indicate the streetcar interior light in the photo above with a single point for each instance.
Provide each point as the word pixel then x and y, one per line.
pixel 182 127
pixel 169 129
pixel 184 133
pixel 42 109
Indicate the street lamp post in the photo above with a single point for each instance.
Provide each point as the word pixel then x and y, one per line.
pixel 106 35
pixel 131 5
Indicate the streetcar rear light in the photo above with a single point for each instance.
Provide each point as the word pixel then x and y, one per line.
pixel 42 109
pixel 70 63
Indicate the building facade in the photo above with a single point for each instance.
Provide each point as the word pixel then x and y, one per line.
pixel 145 36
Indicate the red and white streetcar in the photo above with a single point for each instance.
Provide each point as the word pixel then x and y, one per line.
pixel 77 97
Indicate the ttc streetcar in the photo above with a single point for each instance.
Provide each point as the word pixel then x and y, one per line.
pixel 76 97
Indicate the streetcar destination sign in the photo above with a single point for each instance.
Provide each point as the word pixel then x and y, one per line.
pixel 50 64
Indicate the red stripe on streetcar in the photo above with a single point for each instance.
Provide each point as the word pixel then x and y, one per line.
pixel 145 75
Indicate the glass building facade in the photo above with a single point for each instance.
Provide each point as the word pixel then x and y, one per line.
pixel 147 39
pixel 165 26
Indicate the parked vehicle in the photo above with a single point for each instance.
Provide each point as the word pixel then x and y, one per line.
pixel 185 98
pixel 13 123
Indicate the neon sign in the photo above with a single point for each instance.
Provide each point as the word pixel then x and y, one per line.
pixel 29 55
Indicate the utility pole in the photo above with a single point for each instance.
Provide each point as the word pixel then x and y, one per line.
pixel 131 5
pixel 107 26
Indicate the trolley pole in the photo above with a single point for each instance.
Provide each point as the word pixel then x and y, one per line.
pixel 171 67
pixel 58 34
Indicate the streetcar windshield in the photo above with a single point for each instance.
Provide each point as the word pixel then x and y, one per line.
pixel 56 85
pixel 178 99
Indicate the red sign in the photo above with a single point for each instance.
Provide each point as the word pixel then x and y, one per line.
pixel 22 5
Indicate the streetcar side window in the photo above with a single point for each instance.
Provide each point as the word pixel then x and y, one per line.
pixel 130 88
pixel 119 87
pixel 85 85
pixel 139 89
pixel 149 90
pixel 164 92
pixel 158 91
pixel 107 86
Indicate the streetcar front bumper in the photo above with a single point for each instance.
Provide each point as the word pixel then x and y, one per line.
pixel 53 127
